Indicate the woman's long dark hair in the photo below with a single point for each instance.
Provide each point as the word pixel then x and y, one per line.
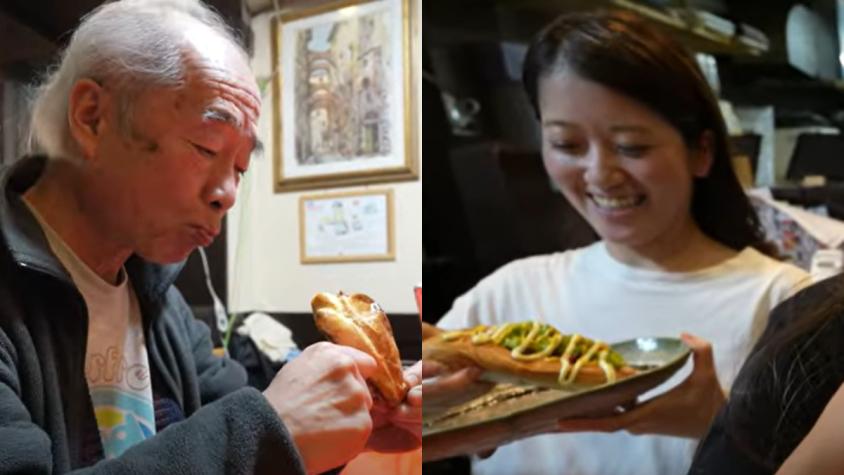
pixel 620 51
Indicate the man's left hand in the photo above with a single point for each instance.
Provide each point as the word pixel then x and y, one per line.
pixel 399 429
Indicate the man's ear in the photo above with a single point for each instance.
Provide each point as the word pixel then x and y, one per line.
pixel 86 109
pixel 703 156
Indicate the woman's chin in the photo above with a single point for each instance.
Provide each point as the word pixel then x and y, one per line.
pixel 622 237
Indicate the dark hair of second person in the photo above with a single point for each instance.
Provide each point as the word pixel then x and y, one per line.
pixel 792 373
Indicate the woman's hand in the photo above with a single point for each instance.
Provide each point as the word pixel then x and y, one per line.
pixel 444 390
pixel 399 429
pixel 685 411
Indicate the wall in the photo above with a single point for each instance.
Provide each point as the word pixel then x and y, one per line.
pixel 263 230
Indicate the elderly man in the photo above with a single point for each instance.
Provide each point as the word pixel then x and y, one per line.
pixel 148 123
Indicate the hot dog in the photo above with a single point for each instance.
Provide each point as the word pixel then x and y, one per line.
pixel 530 351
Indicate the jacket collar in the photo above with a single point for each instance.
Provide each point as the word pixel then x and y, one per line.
pixel 28 246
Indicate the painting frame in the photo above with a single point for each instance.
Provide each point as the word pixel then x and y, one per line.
pixel 309 219
pixel 301 160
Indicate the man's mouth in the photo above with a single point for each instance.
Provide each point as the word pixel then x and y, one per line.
pixel 615 203
pixel 204 236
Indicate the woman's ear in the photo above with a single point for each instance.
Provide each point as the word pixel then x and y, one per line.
pixel 703 155
pixel 86 109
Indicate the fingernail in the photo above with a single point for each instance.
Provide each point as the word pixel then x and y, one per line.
pixel 416 391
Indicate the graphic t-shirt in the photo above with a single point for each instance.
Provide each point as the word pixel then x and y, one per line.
pixel 116 362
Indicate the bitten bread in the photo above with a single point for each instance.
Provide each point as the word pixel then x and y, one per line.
pixel 357 321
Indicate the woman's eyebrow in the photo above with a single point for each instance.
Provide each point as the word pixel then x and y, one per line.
pixel 629 128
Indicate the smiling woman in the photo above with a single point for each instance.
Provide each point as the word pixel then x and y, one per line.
pixel 633 136
pixel 630 176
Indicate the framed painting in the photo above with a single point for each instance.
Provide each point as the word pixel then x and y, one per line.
pixel 343 95
pixel 346 227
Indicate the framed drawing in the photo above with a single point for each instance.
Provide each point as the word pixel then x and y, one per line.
pixel 346 227
pixel 342 95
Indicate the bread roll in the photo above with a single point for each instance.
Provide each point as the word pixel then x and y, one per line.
pixel 357 321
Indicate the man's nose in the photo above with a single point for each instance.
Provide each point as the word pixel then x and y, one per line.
pixel 222 193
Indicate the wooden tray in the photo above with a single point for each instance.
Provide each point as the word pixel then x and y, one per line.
pixel 510 413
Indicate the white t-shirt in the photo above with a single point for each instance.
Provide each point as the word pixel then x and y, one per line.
pixel 116 363
pixel 587 291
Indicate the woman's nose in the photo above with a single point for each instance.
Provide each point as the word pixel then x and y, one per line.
pixel 602 169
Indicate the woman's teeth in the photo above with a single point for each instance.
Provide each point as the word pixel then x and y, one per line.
pixel 616 203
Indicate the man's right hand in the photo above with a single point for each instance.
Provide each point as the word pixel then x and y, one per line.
pixel 323 400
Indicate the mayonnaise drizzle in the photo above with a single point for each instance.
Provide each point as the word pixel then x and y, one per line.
pixel 483 334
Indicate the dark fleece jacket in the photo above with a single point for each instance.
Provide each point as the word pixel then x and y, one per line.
pixel 46 416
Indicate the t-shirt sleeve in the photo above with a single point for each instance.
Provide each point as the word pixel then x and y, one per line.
pixel 791 281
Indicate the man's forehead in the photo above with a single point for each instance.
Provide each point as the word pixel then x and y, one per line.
pixel 225 78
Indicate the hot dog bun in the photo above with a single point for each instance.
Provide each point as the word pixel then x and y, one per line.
pixel 357 321
pixel 459 352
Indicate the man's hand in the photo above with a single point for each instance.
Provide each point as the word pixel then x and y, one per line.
pixel 323 400
pixel 400 429
pixel 685 411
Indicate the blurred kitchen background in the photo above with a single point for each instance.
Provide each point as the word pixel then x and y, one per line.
pixel 776 66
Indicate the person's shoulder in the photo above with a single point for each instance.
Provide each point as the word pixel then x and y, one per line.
pixel 786 273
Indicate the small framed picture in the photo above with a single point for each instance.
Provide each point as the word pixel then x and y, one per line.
pixel 343 106
pixel 346 227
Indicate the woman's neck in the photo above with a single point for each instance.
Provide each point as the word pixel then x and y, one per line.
pixel 686 250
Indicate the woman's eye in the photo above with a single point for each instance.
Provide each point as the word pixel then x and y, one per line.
pixel 634 151
pixel 205 151
pixel 566 147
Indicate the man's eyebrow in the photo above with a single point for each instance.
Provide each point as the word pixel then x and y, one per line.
pixel 220 115
pixel 226 117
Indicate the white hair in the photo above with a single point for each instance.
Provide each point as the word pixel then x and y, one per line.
pixel 133 45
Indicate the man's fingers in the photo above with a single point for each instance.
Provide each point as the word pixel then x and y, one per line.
pixel 404 413
pixel 413 375
pixel 365 364
pixel 414 396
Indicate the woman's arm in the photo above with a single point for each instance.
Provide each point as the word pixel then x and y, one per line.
pixel 822 451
